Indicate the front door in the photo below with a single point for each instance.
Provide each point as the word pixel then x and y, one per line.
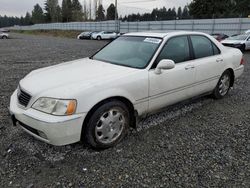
pixel 176 84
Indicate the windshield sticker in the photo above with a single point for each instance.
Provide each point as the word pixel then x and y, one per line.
pixel 153 40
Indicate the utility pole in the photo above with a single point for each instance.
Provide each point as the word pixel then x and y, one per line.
pixel 116 17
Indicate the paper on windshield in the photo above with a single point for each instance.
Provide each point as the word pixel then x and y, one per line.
pixel 152 40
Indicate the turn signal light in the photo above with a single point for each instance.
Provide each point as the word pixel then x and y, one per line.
pixel 71 107
pixel 242 62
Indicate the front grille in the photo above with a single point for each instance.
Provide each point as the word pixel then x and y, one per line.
pixel 23 98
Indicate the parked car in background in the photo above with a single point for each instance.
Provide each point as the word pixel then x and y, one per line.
pixel 4 35
pixel 84 35
pixel 219 36
pixel 101 97
pixel 104 35
pixel 5 30
pixel 241 42
pixel 247 31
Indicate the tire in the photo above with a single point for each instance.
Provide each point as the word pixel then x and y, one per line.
pixel 99 38
pixel 4 37
pixel 223 86
pixel 108 125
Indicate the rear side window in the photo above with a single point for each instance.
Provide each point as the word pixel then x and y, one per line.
pixel 203 47
pixel 215 49
pixel 176 49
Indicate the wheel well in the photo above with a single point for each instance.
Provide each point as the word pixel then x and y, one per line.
pixel 124 100
pixel 232 76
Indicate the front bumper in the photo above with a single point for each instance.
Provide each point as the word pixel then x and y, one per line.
pixel 55 130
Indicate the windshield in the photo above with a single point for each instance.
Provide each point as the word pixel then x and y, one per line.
pixel 239 37
pixel 129 51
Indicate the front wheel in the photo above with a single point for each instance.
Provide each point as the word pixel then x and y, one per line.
pixel 108 125
pixel 99 38
pixel 223 85
pixel 4 37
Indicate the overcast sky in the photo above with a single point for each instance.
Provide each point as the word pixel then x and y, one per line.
pixel 20 7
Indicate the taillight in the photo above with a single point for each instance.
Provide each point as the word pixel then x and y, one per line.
pixel 242 62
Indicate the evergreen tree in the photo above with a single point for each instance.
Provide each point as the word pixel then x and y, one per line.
pixel 37 14
pixel 185 13
pixel 77 13
pixel 85 11
pixel 58 14
pixel 27 19
pixel 66 11
pixel 51 10
pixel 111 12
pixel 100 16
pixel 179 13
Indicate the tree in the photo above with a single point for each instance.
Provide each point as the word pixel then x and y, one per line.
pixel 37 14
pixel 241 8
pixel 77 13
pixel 179 13
pixel 100 16
pixel 212 8
pixel 27 19
pixel 66 10
pixel 58 14
pixel 51 7
pixel 185 13
pixel 85 11
pixel 111 12
pixel 90 10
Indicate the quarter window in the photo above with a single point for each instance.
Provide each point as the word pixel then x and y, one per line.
pixel 176 49
pixel 203 47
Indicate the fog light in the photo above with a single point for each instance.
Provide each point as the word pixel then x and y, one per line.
pixel 42 134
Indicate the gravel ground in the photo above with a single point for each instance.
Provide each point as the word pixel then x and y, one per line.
pixel 198 143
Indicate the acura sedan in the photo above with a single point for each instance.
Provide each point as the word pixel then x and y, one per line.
pixel 97 99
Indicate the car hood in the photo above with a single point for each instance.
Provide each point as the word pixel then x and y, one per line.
pixel 232 41
pixel 84 72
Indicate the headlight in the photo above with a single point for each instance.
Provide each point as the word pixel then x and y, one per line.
pixel 58 107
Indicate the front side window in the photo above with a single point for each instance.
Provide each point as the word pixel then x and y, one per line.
pixel 176 49
pixel 129 51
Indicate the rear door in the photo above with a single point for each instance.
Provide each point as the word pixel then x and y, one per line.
pixel 208 62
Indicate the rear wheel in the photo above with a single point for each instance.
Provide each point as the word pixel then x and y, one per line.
pixel 223 85
pixel 4 37
pixel 108 125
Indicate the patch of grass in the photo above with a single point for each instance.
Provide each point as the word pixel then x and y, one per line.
pixel 54 33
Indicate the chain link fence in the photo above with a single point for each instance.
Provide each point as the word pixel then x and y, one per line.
pixel 228 26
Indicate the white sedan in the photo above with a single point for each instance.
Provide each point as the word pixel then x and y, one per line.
pixel 97 99
pixel 241 42
pixel 104 35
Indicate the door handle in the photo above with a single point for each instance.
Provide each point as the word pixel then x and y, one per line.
pixel 189 67
pixel 219 60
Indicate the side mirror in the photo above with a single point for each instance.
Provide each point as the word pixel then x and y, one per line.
pixel 165 64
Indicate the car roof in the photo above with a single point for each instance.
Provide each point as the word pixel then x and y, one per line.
pixel 161 34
